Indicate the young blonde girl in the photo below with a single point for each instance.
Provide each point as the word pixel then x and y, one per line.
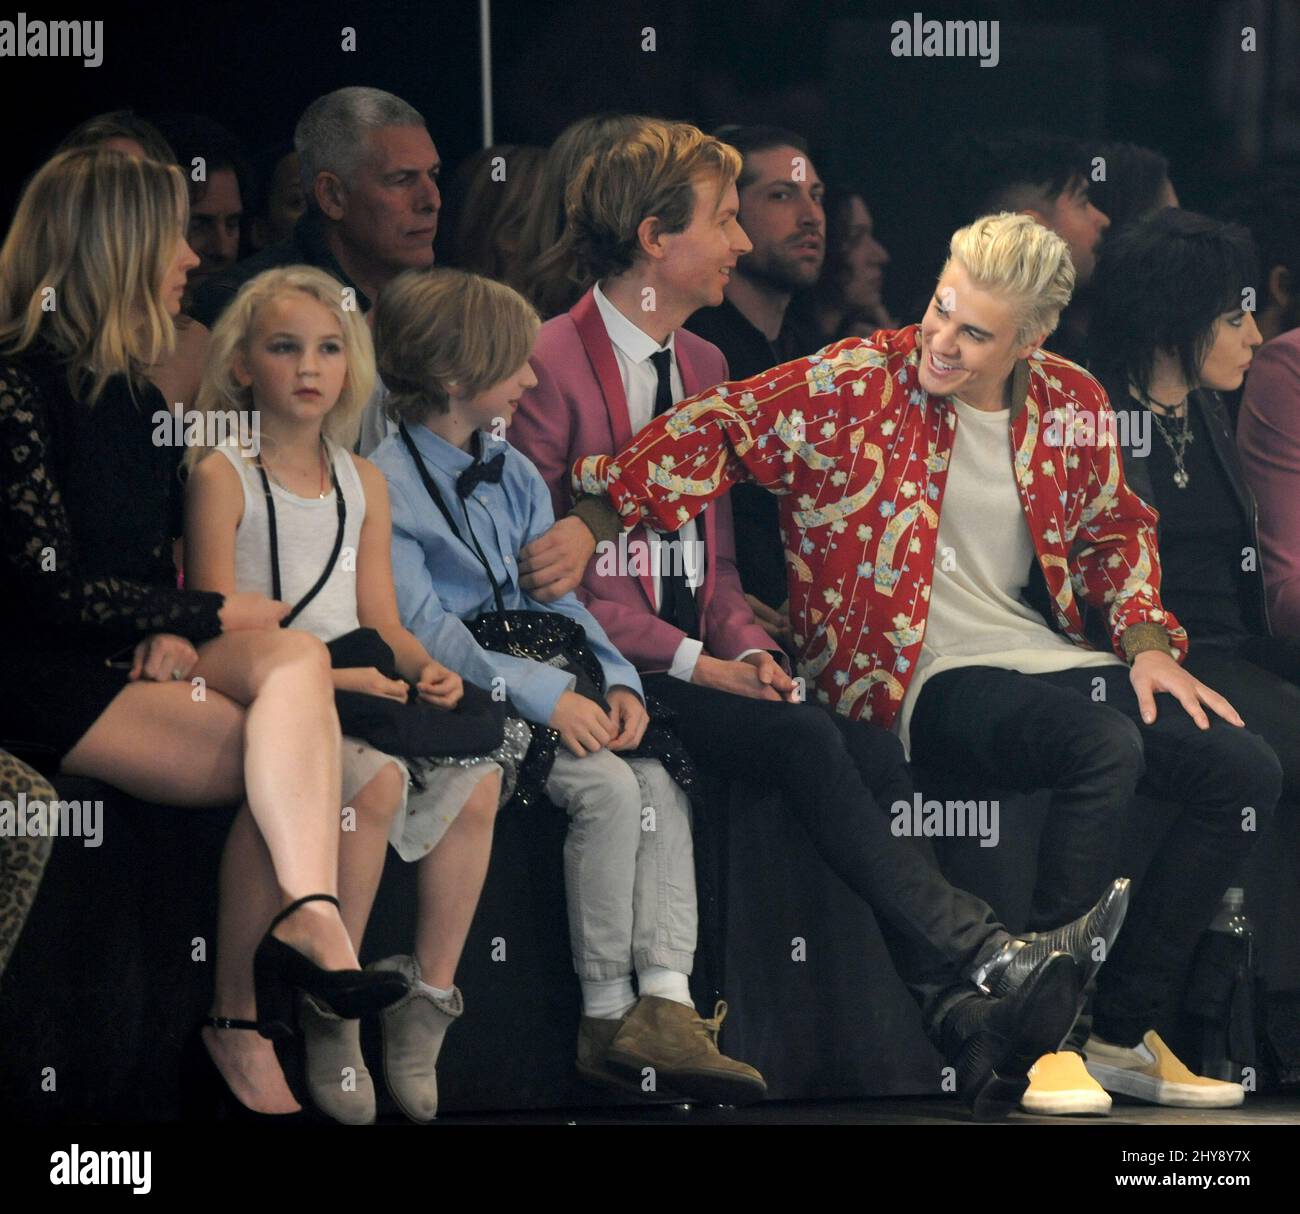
pixel 297 366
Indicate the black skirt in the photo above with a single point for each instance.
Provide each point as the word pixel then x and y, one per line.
pixel 51 698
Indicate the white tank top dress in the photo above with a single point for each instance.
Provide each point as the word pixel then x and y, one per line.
pixel 306 529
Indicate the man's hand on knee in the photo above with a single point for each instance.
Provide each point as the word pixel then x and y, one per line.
pixel 1154 671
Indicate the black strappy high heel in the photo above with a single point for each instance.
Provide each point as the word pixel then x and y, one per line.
pixel 205 1096
pixel 279 969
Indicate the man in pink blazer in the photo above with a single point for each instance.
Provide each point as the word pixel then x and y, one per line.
pixel 604 370
pixel 580 405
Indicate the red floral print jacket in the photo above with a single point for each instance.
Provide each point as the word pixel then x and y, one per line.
pixel 858 453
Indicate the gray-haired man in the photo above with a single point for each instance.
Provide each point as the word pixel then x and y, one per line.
pixel 370 174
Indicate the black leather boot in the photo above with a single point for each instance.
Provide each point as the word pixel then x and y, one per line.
pixel 993 1042
pixel 1087 941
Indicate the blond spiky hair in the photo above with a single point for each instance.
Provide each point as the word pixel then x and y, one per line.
pixel 1014 256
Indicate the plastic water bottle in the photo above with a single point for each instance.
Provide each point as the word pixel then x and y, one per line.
pixel 1232 936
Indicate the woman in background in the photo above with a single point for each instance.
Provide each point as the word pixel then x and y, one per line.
pixel 847 300
pixel 485 207
pixel 547 273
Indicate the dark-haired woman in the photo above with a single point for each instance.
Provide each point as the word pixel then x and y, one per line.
pixel 1169 334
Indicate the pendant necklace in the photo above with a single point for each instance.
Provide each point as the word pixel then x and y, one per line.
pixel 1176 437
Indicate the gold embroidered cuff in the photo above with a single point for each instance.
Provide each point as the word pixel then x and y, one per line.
pixel 1141 637
pixel 601 518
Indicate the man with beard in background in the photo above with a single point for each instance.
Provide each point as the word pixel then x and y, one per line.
pixel 782 209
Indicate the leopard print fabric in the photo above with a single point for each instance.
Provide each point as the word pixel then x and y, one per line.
pixel 22 859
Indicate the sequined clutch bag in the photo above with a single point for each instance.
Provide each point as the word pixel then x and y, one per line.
pixel 556 640
pixel 546 637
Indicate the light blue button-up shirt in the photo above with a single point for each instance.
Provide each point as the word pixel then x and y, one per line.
pixel 440 582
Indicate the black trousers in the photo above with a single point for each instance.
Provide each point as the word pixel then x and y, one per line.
pixel 839 777
pixel 1080 734
pixel 1260 677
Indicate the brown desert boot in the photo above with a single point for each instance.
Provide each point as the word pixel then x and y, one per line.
pixel 594 1040
pixel 680 1048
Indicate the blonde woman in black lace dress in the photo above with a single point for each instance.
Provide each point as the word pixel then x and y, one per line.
pixel 112 672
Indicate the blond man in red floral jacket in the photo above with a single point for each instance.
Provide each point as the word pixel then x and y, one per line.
pixel 922 473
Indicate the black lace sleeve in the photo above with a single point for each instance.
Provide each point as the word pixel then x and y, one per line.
pixel 40 550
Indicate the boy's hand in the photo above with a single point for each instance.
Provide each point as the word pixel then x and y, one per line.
pixel 1155 671
pixel 553 564
pixel 757 676
pixel 630 718
pixel 771 674
pixel 582 724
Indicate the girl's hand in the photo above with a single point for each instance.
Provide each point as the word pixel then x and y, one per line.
pixel 163 657
pixel 369 681
pixel 440 686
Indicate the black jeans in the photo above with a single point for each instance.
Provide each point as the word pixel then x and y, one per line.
pixel 1080 734
pixel 1260 677
pixel 838 777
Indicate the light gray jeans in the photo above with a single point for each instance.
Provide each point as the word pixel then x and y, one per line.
pixel 629 864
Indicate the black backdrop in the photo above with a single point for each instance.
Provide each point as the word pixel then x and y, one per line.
pixel 1135 69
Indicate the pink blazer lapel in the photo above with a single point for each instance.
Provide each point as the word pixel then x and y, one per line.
pixel 600 353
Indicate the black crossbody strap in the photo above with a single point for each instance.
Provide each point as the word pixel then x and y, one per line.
pixel 275 544
pixel 432 490
pixel 430 487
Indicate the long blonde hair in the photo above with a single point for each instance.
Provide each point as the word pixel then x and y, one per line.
pixel 220 391
pixel 83 264
pixel 546 270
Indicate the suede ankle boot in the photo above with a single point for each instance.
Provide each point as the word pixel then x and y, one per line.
pixel 336 1074
pixel 413 1028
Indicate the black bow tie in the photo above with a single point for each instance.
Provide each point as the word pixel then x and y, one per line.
pixel 480 470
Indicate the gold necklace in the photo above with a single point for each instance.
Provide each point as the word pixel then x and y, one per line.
pixel 324 480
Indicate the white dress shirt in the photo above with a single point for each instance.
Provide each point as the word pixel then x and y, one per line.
pixel 632 350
